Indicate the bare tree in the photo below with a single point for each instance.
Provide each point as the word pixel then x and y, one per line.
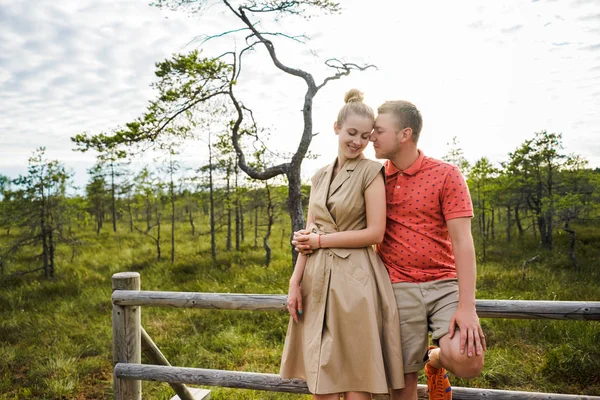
pixel 188 81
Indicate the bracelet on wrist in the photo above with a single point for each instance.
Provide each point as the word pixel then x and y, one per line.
pixel 319 240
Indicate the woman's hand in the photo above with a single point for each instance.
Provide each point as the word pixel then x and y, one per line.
pixel 294 300
pixel 299 242
pixel 305 241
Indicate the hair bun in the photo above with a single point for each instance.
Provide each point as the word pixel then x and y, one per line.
pixel 353 95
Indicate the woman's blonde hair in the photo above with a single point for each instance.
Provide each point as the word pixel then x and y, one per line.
pixel 354 106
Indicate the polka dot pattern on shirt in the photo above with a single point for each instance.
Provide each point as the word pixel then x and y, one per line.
pixel 420 199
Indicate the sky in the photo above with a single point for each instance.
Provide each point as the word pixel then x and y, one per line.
pixel 489 73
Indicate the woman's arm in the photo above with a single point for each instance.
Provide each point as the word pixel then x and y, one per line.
pixel 294 298
pixel 372 234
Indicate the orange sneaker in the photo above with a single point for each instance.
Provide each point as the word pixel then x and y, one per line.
pixel 438 384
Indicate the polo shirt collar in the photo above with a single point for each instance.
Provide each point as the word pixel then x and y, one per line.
pixel 390 168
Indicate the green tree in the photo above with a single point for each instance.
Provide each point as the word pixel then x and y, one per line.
pixel 574 200
pixel 536 167
pixel 480 183
pixel 97 196
pixel 152 191
pixel 455 156
pixel 42 204
pixel 6 204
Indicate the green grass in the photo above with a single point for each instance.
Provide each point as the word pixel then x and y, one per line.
pixel 55 335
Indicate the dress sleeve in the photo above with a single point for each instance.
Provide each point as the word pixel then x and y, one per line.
pixel 370 172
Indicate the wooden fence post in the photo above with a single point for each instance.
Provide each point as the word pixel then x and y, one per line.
pixel 127 336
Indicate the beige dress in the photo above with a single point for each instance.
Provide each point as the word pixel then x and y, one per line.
pixel 348 338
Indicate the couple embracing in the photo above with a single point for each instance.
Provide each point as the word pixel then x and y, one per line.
pixel 361 317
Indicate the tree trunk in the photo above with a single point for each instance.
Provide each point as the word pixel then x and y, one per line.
pixel 238 232
pixel 191 219
pixel 158 249
pixel 483 230
pixel 172 190
pixel 238 228
pixel 550 213
pixel 269 225
pixel 518 222
pixel 228 211
pixel 544 228
pixel 547 236
pixel 256 228
pixel 130 216
pixel 113 197
pixel 98 223
pixel 493 227
pixel 51 249
pixel 213 239
pixel 572 238
pixel 242 222
pixel 508 224
pixel 295 205
pixel 43 226
pixel 148 213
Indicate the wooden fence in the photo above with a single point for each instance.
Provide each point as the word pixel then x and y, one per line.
pixel 130 339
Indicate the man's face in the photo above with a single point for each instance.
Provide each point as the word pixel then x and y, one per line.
pixel 385 136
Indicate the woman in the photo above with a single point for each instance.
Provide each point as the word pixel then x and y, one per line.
pixel 344 333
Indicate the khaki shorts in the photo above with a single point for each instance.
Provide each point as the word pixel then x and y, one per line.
pixel 423 308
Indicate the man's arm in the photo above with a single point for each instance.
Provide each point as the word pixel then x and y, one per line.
pixel 471 334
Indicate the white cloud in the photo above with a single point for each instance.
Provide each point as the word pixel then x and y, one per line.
pixel 490 74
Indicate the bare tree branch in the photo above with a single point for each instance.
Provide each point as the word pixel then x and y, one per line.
pixel 240 13
pixel 343 69
pixel 239 64
pixel 235 134
pixel 297 38
pixel 152 134
pixel 207 38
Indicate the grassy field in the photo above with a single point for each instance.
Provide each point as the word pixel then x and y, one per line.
pixel 55 335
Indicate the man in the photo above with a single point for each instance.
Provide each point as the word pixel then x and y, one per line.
pixel 429 254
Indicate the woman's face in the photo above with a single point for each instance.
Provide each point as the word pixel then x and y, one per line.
pixel 354 135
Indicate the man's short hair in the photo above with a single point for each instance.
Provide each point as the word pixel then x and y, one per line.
pixel 407 115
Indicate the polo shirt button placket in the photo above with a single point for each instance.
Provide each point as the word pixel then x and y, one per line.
pixel 397 193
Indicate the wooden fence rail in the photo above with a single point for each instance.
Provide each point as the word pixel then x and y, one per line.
pixel 274 383
pixel 129 338
pixel 521 309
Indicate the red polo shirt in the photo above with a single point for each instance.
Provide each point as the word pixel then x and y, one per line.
pixel 420 199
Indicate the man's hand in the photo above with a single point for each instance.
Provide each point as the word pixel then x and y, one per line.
pixel 294 301
pixel 472 338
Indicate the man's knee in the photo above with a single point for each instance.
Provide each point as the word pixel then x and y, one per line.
pixel 468 367
pixel 459 364
pixel 462 365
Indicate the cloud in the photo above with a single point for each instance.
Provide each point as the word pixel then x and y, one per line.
pixel 590 18
pixel 73 66
pixel 577 3
pixel 477 25
pixel 512 29
pixel 593 47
